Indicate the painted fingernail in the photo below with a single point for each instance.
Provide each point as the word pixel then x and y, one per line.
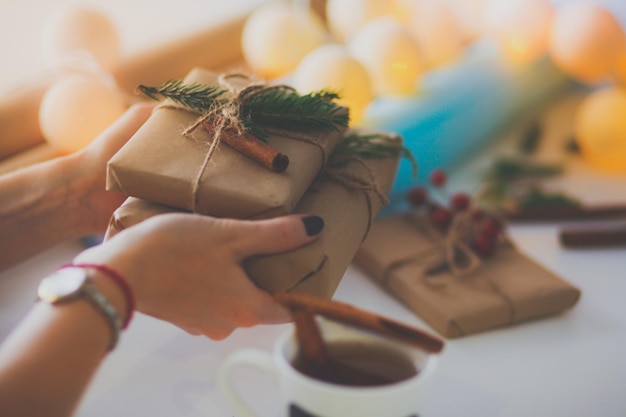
pixel 313 225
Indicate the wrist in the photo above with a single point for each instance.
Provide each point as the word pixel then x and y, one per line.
pixel 106 291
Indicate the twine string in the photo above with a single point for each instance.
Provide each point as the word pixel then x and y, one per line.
pixel 357 183
pixel 226 115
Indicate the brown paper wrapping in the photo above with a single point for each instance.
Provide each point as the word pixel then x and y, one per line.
pixel 506 289
pixel 159 164
pixel 314 269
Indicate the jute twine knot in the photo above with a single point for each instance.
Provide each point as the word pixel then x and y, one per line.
pixel 455 253
pixel 226 115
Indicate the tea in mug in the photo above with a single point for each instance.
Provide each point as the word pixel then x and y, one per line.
pixel 360 364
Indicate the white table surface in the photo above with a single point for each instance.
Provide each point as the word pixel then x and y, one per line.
pixel 571 365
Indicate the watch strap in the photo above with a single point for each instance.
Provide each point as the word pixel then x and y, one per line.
pixel 105 308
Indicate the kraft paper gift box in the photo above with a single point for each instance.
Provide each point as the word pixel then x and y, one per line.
pixel 505 289
pixel 348 199
pixel 162 165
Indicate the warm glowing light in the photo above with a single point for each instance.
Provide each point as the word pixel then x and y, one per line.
pixel 78 108
pixel 346 17
pixel 438 32
pixel 520 27
pixel 277 36
pixel 76 31
pixel 619 70
pixel 586 41
pixel 390 54
pixel 331 67
pixel 600 129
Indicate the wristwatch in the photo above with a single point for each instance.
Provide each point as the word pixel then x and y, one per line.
pixel 70 284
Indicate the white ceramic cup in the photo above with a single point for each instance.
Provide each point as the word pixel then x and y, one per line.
pixel 305 396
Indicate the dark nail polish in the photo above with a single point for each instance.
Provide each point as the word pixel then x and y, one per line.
pixel 313 224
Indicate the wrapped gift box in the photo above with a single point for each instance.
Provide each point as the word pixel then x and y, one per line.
pixel 347 198
pixel 505 289
pixel 159 164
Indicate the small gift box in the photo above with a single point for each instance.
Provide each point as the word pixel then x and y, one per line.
pixel 402 252
pixel 170 161
pixel 347 195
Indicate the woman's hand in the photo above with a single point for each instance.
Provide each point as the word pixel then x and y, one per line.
pixel 64 198
pixel 99 204
pixel 187 268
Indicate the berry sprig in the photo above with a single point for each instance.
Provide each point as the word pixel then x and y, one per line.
pixel 480 229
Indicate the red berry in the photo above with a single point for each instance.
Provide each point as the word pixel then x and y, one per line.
pixel 438 178
pixel 440 217
pixel 484 245
pixel 477 215
pixel 460 201
pixel 417 196
pixel 490 228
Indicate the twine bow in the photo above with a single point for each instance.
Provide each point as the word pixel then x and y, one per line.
pixel 225 115
pixel 455 254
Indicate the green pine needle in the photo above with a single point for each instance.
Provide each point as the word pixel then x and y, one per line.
pixel 372 146
pixel 278 108
pixel 285 109
pixel 195 96
pixel 510 170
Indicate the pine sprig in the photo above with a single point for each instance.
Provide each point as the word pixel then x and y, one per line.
pixel 286 109
pixel 371 146
pixel 508 170
pixel 195 96
pixel 279 108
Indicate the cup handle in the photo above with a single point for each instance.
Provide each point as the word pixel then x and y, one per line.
pixel 252 357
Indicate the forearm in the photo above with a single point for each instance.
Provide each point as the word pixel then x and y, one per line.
pixel 39 207
pixel 47 362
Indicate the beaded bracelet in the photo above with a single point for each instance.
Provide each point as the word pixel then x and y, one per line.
pixel 119 280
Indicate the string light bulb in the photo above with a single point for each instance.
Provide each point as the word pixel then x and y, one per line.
pixel 390 54
pixel 76 109
pixel 586 41
pixel 277 36
pixel 521 28
pixel 330 67
pixel 600 129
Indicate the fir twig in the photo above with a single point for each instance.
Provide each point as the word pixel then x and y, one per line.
pixel 195 96
pixel 510 170
pixel 531 139
pixel 286 109
pixel 279 108
pixel 372 146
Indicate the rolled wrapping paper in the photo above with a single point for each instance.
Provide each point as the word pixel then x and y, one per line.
pixel 160 164
pixel 461 108
pixel 19 114
pixel 317 268
pixel 215 47
pixel 508 288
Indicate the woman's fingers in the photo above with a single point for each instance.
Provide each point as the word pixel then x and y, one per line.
pixel 277 235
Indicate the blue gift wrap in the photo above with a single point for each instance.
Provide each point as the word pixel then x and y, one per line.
pixel 460 108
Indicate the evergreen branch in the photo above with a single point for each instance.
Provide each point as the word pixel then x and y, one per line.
pixel 285 109
pixel 509 170
pixel 195 96
pixel 373 146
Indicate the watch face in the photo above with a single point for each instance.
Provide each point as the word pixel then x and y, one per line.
pixel 62 284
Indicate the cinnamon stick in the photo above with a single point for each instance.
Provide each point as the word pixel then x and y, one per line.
pixel 315 360
pixel 593 235
pixel 349 314
pixel 567 213
pixel 253 148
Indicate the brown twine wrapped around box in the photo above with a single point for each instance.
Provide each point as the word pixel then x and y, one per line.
pixel 450 246
pixel 224 122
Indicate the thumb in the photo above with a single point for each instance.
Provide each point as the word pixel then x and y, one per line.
pixel 279 234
